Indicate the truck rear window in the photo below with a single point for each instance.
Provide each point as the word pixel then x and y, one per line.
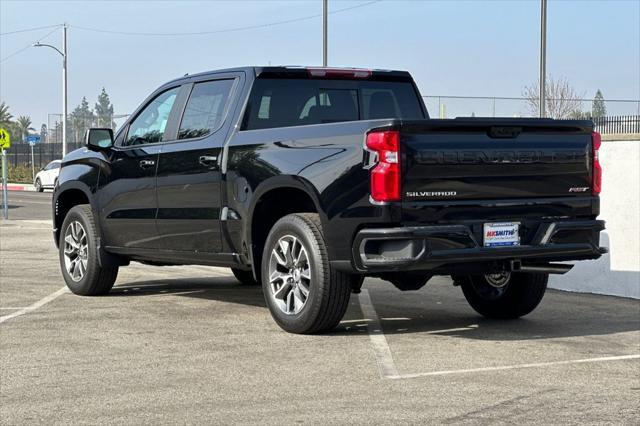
pixel 299 102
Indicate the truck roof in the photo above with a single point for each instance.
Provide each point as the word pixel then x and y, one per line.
pixel 297 71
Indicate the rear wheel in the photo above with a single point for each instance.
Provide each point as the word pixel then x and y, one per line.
pixel 78 248
pixel 245 277
pixel 504 295
pixel 303 293
pixel 38 185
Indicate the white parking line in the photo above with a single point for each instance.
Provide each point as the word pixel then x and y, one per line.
pixel 453 330
pixel 378 340
pixel 35 306
pixel 516 366
pixel 388 369
pixel 28 222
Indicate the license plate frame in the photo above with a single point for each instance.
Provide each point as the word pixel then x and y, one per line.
pixel 501 234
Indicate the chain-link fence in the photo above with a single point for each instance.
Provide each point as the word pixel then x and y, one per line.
pixel 479 106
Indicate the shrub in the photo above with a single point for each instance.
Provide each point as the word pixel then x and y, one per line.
pixel 19 174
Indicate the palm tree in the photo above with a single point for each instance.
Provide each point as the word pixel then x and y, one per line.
pixel 5 116
pixel 24 126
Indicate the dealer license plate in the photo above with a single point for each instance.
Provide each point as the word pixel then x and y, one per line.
pixel 501 234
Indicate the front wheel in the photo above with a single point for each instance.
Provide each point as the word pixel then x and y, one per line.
pixel 78 248
pixel 38 185
pixel 504 295
pixel 303 293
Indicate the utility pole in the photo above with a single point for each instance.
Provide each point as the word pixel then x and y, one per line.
pixel 325 12
pixel 543 55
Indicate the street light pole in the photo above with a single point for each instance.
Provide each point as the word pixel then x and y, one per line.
pixel 62 53
pixel 325 11
pixel 543 55
pixel 64 90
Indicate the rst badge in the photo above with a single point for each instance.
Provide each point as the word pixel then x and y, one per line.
pixel 579 189
pixel 501 234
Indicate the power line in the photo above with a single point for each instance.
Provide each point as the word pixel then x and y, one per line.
pixel 228 30
pixel 30 29
pixel 29 45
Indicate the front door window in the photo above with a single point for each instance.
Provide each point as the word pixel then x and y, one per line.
pixel 150 124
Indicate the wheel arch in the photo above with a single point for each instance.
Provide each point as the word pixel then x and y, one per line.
pixel 67 196
pixel 267 207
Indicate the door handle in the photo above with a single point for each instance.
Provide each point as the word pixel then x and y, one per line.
pixel 145 164
pixel 208 160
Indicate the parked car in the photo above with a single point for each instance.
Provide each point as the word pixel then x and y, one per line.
pixel 47 177
pixel 306 180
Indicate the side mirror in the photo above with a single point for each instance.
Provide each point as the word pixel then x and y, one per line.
pixel 98 139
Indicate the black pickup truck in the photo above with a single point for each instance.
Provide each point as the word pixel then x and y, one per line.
pixel 306 180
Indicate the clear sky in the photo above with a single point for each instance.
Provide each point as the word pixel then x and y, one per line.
pixel 467 48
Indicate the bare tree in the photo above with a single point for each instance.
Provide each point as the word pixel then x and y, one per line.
pixel 562 100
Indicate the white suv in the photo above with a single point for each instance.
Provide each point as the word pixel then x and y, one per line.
pixel 47 177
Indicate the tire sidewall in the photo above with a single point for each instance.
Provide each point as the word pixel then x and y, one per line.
pixel 84 285
pixel 38 185
pixel 295 226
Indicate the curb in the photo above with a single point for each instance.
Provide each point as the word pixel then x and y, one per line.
pixel 20 187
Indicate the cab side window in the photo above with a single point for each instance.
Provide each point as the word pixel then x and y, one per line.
pixel 150 124
pixel 205 108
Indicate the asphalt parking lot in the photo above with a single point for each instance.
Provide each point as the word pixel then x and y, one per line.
pixel 190 345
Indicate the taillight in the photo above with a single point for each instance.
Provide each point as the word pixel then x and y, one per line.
pixel 596 180
pixel 385 176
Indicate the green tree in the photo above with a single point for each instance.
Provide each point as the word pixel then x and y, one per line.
pixel 43 133
pixel 56 132
pixel 23 127
pixel 5 116
pixel 104 110
pixel 81 119
pixel 598 109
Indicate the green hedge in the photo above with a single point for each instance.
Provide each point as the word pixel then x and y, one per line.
pixel 19 174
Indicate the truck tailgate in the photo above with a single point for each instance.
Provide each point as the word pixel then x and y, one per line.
pixel 485 159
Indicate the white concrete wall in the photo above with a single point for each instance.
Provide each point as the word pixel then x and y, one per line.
pixel 618 272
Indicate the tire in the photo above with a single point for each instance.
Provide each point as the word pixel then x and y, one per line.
pixel 38 185
pixel 245 277
pixel 327 291
pixel 85 276
pixel 519 296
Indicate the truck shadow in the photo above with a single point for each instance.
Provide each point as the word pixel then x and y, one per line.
pixel 446 313
pixel 223 289
pixel 433 311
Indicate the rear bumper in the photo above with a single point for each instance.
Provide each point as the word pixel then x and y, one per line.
pixel 442 246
